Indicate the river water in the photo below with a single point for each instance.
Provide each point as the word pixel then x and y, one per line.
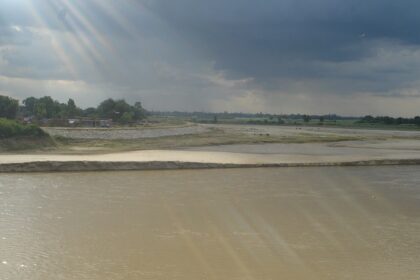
pixel 274 223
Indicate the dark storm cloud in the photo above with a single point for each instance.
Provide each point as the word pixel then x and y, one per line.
pixel 283 55
pixel 271 38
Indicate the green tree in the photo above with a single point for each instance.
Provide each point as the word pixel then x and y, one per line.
pixel 127 117
pixel 121 107
pixel 121 111
pixel 40 110
pixel 139 112
pixel 306 118
pixel 29 105
pixel 106 109
pixel 417 120
pixel 46 107
pixel 90 112
pixel 71 108
pixel 8 107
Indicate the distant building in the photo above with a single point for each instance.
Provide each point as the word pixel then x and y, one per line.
pixel 28 119
pixel 95 123
pixel 73 122
pixel 105 123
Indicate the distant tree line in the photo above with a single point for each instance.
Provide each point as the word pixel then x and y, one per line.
pixel 390 120
pixel 47 108
pixel 232 115
pixel 8 107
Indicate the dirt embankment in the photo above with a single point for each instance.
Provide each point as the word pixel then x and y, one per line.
pixel 79 166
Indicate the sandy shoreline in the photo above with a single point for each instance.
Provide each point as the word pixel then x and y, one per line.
pixel 227 156
pixel 394 149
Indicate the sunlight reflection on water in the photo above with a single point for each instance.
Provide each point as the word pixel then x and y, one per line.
pixel 298 223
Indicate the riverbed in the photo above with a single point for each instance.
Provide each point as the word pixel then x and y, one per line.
pixel 287 223
pixel 349 153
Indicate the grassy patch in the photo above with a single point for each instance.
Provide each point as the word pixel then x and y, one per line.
pixel 15 136
pixel 13 129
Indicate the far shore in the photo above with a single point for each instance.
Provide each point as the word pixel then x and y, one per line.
pixel 218 146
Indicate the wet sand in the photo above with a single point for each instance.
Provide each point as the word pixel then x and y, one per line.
pixel 252 224
pixel 309 154
pixel 379 147
pixel 292 132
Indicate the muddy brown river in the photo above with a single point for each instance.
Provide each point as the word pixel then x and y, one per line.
pixel 273 223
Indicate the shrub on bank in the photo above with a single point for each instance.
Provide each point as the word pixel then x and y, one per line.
pixel 11 128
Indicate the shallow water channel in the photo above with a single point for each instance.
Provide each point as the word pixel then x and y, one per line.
pixel 273 223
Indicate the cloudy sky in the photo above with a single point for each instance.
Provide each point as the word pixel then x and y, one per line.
pixel 352 57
